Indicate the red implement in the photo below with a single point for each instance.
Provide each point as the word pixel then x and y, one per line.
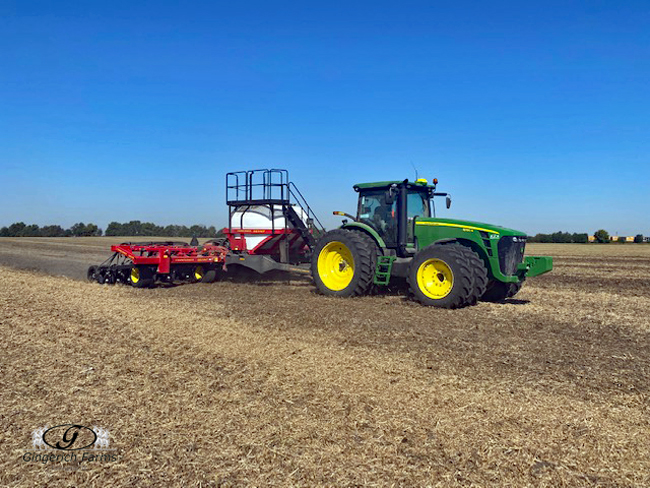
pixel 164 256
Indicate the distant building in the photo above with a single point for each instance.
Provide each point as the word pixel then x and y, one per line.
pixel 627 238
pixel 615 239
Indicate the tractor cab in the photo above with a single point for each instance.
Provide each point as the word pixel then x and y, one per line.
pixel 391 208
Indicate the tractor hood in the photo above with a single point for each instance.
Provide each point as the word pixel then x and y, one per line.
pixel 469 226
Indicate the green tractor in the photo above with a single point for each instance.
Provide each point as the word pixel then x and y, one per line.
pixel 446 263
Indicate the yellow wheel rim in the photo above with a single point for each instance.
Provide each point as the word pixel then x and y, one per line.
pixel 336 266
pixel 435 279
pixel 135 275
pixel 198 273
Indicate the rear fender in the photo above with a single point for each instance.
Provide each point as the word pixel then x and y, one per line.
pixel 358 226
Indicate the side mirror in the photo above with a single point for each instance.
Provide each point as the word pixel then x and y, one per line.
pixel 391 193
pixel 448 201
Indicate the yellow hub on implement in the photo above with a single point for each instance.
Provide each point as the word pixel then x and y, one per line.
pixel 336 266
pixel 198 273
pixel 435 278
pixel 135 275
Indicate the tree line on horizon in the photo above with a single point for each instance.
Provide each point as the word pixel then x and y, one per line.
pixel 561 238
pixel 600 236
pixel 133 228
pixel 148 229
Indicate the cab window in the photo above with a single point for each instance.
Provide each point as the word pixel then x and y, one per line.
pixel 417 205
pixel 379 214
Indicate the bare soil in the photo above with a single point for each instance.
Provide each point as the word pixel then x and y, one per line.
pixel 267 384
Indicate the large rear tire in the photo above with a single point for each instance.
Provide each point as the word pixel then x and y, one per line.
pixel 343 263
pixel 442 276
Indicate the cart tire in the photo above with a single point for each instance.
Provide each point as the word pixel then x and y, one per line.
pixel 140 277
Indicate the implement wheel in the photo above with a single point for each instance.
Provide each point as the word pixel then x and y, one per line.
pixel 343 263
pixel 198 273
pixel 91 274
pixel 210 276
pixel 204 274
pixel 140 277
pixel 442 276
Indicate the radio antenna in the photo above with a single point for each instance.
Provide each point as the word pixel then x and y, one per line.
pixel 415 169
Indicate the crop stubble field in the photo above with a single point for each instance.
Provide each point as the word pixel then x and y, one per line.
pixel 262 384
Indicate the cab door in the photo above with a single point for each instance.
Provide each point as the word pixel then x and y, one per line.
pixel 376 212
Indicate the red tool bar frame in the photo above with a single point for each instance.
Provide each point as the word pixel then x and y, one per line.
pixel 164 256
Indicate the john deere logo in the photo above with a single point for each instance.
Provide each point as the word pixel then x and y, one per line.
pixel 69 437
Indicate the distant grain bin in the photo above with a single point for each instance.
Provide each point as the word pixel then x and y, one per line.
pixel 616 239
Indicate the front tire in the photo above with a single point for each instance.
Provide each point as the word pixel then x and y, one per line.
pixel 442 276
pixel 480 276
pixel 343 263
pixel 498 291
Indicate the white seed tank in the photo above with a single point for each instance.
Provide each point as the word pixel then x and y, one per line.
pixel 256 217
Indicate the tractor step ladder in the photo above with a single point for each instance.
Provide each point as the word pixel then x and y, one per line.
pixel 384 267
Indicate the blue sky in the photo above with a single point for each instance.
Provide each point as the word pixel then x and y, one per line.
pixel 534 115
